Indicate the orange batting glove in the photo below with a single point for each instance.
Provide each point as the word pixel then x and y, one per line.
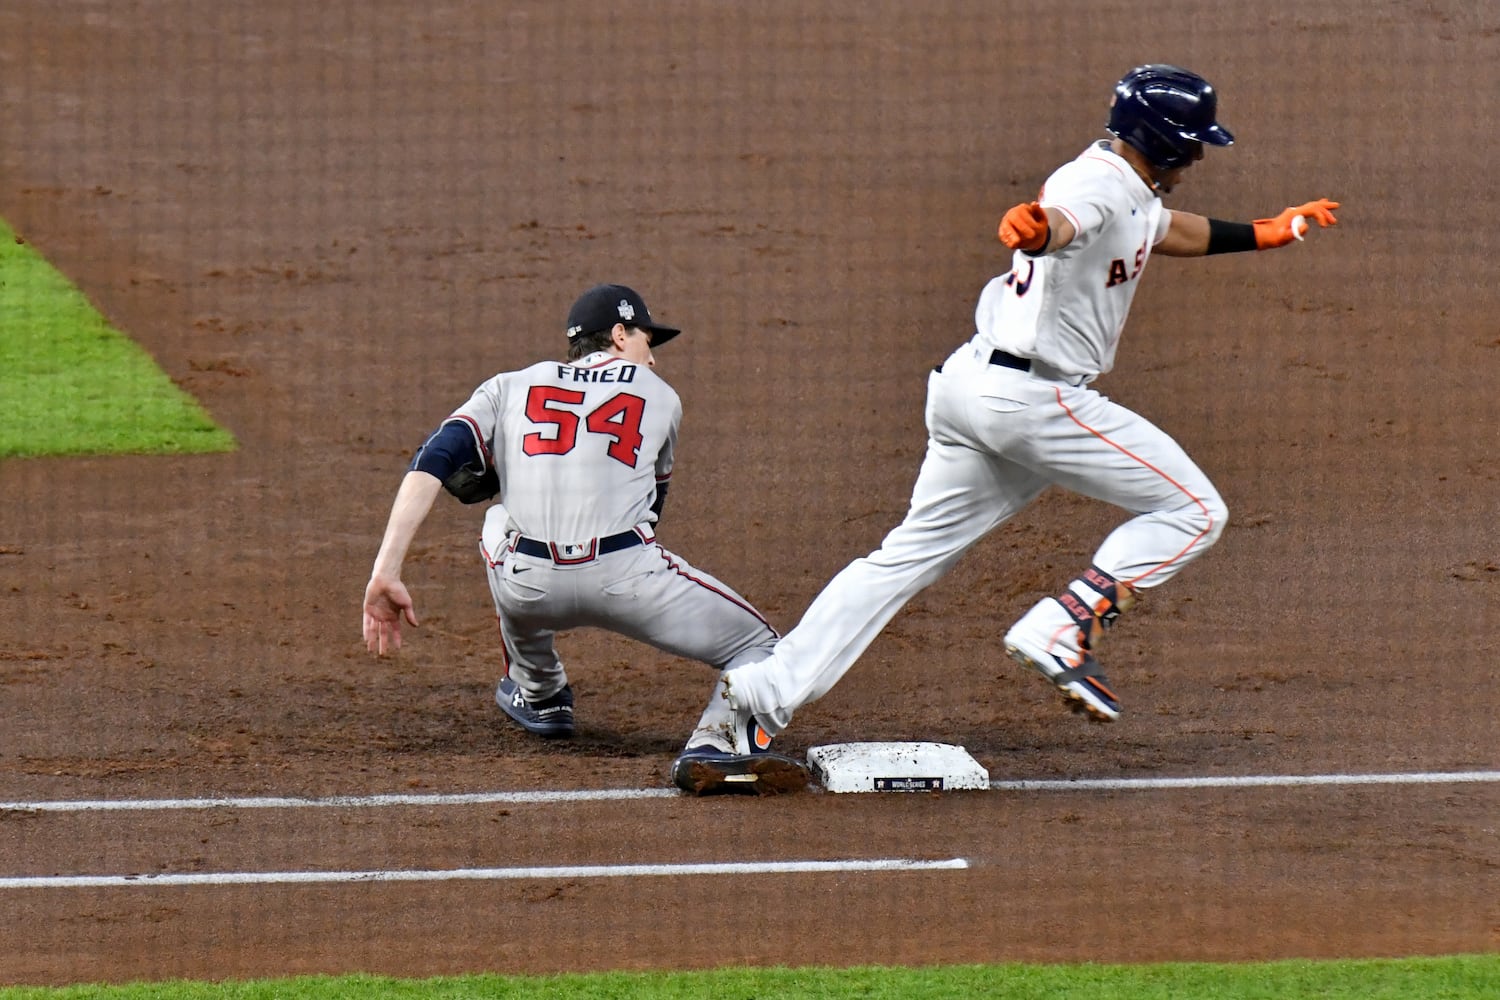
pixel 1025 227
pixel 1278 232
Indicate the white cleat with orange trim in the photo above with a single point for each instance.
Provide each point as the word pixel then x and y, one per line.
pixel 1048 640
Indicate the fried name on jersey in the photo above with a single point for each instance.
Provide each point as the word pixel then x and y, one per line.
pixel 609 373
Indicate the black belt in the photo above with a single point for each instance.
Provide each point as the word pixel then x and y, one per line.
pixel 1005 360
pixel 577 552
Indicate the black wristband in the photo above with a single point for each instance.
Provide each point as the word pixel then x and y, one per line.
pixel 1039 251
pixel 1229 237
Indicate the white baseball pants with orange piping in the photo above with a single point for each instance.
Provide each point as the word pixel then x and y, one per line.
pixel 997 438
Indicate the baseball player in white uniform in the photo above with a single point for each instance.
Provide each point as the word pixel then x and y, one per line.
pixel 580 454
pixel 1011 412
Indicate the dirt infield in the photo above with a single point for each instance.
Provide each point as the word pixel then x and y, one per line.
pixel 329 222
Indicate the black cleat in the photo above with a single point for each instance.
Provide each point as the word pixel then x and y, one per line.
pixel 551 717
pixel 706 770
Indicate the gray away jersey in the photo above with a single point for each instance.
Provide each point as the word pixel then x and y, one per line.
pixel 579 446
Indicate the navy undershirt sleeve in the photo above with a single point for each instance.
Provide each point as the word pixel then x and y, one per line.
pixel 451 446
pixel 661 498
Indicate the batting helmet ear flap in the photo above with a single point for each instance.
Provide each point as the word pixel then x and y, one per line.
pixel 1167 113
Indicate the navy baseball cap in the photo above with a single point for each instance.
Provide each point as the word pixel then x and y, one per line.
pixel 602 306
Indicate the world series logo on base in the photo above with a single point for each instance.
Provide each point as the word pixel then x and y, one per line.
pixel 896 767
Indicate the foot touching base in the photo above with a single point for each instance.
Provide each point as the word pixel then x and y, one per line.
pixel 706 770
pixel 730 754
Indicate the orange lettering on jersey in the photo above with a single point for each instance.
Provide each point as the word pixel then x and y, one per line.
pixel 1117 275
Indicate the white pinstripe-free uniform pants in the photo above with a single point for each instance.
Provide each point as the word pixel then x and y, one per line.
pixel 997 437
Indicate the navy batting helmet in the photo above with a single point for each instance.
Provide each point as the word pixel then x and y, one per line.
pixel 1167 113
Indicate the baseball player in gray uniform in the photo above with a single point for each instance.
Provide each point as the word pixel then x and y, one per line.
pixel 580 455
pixel 1011 411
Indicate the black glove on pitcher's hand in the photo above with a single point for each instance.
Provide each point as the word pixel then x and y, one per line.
pixel 472 486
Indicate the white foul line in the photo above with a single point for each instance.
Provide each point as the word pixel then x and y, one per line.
pixel 346 801
pixel 484 874
pixel 1249 781
pixel 617 794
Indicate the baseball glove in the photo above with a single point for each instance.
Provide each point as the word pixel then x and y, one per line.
pixel 473 483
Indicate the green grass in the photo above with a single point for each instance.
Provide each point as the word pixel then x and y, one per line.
pixel 1475 977
pixel 70 384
